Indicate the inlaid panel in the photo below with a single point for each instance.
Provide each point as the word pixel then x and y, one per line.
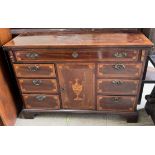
pixel 34 70
pixel 41 101
pixel 128 70
pixel 83 54
pixel 116 103
pixel 117 86
pixel 38 85
pixel 77 82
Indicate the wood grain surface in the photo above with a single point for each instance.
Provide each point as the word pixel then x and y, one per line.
pixel 42 40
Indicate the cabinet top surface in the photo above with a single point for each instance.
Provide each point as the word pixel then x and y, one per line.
pixel 45 40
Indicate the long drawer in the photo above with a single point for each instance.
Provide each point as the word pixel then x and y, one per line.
pixel 116 103
pixel 41 101
pixel 129 70
pixel 34 70
pixel 38 86
pixel 93 54
pixel 117 86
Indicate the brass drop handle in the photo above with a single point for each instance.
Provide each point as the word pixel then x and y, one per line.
pixel 119 67
pixel 117 82
pixel 33 68
pixel 40 98
pixel 120 55
pixel 75 55
pixel 116 99
pixel 32 55
pixel 37 82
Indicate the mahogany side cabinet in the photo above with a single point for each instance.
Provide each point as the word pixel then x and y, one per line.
pixel 89 72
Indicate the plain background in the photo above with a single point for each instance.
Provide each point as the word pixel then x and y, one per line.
pixel 77 14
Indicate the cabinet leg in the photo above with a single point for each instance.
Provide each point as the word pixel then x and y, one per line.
pixel 27 115
pixel 133 118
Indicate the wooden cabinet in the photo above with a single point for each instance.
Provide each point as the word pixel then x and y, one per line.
pixel 77 85
pixel 79 72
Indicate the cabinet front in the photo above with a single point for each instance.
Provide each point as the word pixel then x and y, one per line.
pixel 77 85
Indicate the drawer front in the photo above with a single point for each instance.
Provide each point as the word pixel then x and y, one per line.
pixel 116 103
pixel 131 70
pixel 117 86
pixel 39 101
pixel 34 70
pixel 96 54
pixel 38 85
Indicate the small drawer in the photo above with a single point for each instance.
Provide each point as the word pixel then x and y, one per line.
pixel 38 85
pixel 130 70
pixel 41 101
pixel 117 86
pixel 34 70
pixel 116 103
pixel 89 54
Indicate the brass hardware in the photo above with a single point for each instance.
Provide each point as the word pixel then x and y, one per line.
pixel 33 68
pixel 120 55
pixel 36 82
pixel 32 55
pixel 116 99
pixel 75 54
pixel 119 67
pixel 117 82
pixel 40 97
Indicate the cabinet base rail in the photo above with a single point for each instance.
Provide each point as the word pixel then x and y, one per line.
pixel 131 117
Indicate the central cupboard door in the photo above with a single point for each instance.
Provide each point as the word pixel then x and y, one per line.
pixel 77 85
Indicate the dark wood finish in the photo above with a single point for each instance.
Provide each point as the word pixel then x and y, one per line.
pixel 90 69
pixel 117 86
pixel 41 101
pixel 77 85
pixel 38 85
pixel 116 103
pixel 8 111
pixel 121 69
pixel 88 54
pixel 133 118
pixel 34 70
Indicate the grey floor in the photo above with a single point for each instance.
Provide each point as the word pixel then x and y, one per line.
pixel 83 120
pixel 89 119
